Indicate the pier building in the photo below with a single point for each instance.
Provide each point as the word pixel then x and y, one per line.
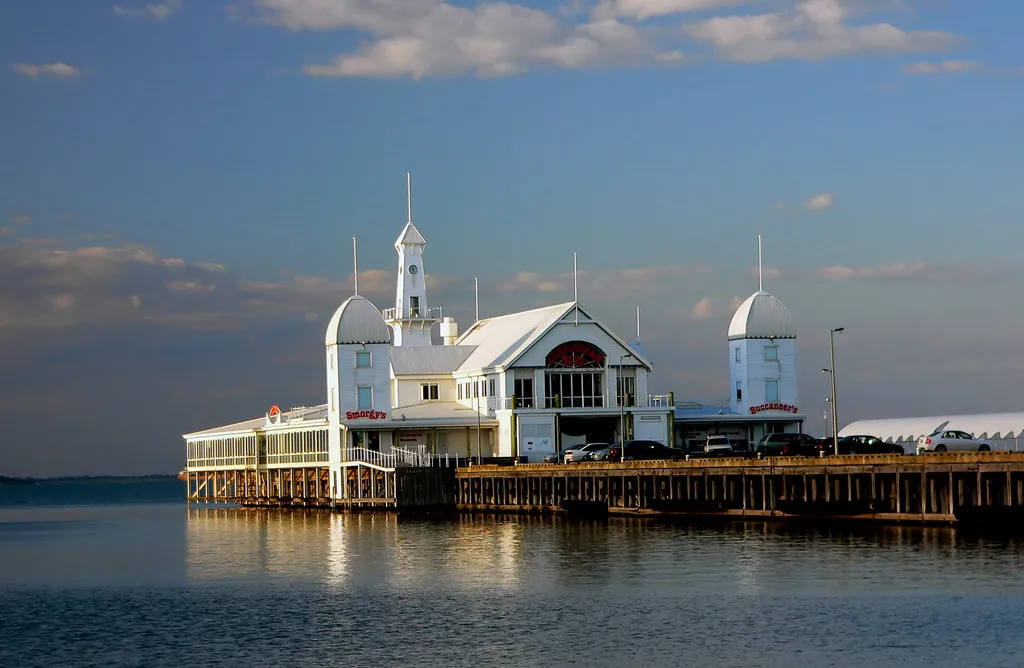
pixel 404 386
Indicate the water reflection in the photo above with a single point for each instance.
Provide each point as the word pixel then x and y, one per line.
pixel 528 553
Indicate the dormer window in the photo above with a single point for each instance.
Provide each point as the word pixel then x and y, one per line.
pixel 771 353
pixel 363 358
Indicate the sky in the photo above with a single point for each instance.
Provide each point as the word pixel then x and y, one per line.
pixel 180 182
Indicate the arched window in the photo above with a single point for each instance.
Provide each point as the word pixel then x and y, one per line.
pixel 575 355
pixel 574 376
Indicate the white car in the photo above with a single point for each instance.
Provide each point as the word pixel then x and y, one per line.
pixel 943 440
pixel 718 444
pixel 582 453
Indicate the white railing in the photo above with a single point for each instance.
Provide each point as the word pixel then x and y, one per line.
pixel 394 313
pixel 651 401
pixel 660 401
pixel 397 457
pixel 382 459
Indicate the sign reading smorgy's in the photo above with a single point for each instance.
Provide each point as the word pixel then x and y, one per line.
pixel 788 408
pixel 366 415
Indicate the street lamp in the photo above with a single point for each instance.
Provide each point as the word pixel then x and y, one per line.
pixel 832 372
pixel 621 398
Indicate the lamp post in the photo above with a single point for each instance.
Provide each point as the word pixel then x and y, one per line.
pixel 832 372
pixel 476 393
pixel 621 399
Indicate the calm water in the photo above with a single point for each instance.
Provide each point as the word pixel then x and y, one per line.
pixel 136 578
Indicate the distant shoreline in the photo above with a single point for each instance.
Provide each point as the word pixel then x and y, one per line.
pixel 13 480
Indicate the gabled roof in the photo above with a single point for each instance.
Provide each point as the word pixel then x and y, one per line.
pixel 502 340
pixel 762 316
pixel 983 425
pixel 410 236
pixel 428 360
pixel 357 321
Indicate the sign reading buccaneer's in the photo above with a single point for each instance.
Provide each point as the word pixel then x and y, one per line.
pixel 785 408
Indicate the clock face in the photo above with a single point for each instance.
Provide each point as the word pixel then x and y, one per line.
pixel 413 269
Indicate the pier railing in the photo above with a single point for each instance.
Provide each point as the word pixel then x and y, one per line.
pixel 398 457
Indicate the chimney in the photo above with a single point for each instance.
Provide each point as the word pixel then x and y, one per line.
pixel 449 330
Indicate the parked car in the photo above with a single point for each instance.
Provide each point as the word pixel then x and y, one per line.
pixel 556 457
pixel 582 453
pixel 862 444
pixel 781 445
pixel 644 450
pixel 942 440
pixel 717 444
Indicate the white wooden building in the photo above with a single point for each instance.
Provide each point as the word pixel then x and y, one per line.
pixel 762 380
pixel 520 385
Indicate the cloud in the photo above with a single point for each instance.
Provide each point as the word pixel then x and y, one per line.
pixel 22 219
pixel 6 231
pixel 703 309
pixel 812 30
pixel 608 283
pixel 942 67
pixel 770 273
pixel 492 39
pixel 912 271
pixel 819 202
pixel 645 9
pixel 735 303
pixel 47 285
pixel 157 11
pixel 57 70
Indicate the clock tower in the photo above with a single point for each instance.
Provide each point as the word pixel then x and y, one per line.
pixel 411 319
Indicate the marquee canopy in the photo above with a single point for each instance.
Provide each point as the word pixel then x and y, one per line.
pixel 985 425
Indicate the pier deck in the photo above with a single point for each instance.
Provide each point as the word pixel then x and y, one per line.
pixel 885 488
pixel 934 488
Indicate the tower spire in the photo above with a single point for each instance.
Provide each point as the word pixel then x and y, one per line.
pixel 759 283
pixel 408 197
pixel 355 266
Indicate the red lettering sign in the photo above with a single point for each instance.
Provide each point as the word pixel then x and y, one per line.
pixel 786 408
pixel 366 415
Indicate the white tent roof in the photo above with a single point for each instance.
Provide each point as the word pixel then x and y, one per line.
pixel 984 425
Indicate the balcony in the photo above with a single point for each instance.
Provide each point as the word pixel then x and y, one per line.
pixel 587 403
pixel 424 314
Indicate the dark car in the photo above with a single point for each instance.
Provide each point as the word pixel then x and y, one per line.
pixel 862 444
pixel 782 445
pixel 645 450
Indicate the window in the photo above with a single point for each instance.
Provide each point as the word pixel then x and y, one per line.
pixel 363 358
pixel 739 389
pixel 414 307
pixel 365 398
pixel 490 387
pixel 459 385
pixel 428 391
pixel 523 389
pixel 625 386
pixel 771 353
pixel 771 391
pixel 737 350
pixel 573 389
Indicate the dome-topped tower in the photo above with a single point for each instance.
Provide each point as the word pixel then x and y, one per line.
pixel 762 354
pixel 762 316
pixel 358 377
pixel 357 320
